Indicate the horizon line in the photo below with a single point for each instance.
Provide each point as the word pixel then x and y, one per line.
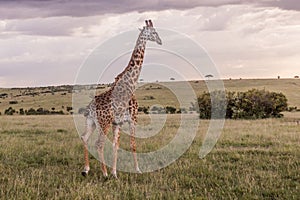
pixel 157 81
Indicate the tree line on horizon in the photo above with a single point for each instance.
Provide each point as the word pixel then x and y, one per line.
pixel 252 104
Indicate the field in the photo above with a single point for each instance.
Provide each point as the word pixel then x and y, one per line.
pixel 42 156
pixel 148 94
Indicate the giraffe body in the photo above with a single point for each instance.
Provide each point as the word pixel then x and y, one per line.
pixel 118 105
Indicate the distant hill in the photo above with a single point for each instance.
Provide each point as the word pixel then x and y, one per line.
pixel 56 98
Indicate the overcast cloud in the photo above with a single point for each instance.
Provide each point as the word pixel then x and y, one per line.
pixel 15 9
pixel 45 42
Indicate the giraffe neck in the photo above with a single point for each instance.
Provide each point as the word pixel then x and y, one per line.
pixel 129 77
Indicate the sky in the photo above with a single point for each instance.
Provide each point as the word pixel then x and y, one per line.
pixel 46 42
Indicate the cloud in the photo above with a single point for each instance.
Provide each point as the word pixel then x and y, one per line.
pixel 253 37
pixel 76 8
pixel 43 43
pixel 283 4
pixel 52 26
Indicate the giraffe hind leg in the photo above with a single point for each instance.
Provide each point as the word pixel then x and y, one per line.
pixel 133 146
pixel 90 127
pixel 133 109
pixel 100 148
pixel 116 132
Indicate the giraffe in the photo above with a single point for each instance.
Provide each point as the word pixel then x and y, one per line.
pixel 118 105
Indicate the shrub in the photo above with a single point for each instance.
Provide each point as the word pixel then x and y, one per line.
pixel 31 111
pixel 148 98
pixel 252 104
pixel 69 108
pixel 143 109
pixel 42 111
pixel 157 110
pixel 182 110
pixel 206 104
pixel 170 110
pixel 21 111
pixel 13 102
pixel 3 95
pixel 291 109
pixel 81 110
pixel 9 111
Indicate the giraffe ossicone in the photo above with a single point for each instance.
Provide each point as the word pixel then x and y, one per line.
pixel 118 105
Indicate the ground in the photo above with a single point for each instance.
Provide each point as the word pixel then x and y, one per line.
pixel 41 157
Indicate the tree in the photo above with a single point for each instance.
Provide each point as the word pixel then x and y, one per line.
pixel 208 76
pixel 21 111
pixel 204 105
pixel 170 110
pixel 69 108
pixel 31 111
pixel 143 109
pixel 9 111
pixel 208 101
pixel 13 102
pixel 252 104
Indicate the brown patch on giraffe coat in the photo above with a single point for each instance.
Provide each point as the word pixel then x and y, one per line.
pixel 131 63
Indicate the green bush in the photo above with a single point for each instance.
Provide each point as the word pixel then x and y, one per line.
pixel 206 104
pixel 252 104
pixel 143 109
pixel 42 111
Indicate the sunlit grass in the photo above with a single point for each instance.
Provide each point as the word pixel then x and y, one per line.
pixel 41 158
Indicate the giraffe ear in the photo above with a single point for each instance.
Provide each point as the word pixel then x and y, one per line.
pixel 140 29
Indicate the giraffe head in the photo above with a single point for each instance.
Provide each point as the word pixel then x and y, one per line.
pixel 150 33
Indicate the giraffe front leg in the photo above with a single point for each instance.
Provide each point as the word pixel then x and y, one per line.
pixel 90 127
pixel 116 131
pixel 133 146
pixel 86 169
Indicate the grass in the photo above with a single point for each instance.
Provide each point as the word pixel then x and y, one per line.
pixel 41 158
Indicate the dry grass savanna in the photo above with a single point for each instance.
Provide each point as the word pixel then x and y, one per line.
pixel 59 98
pixel 41 156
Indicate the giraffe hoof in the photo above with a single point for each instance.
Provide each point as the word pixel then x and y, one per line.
pixel 138 171
pixel 114 174
pixel 105 175
pixel 84 173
